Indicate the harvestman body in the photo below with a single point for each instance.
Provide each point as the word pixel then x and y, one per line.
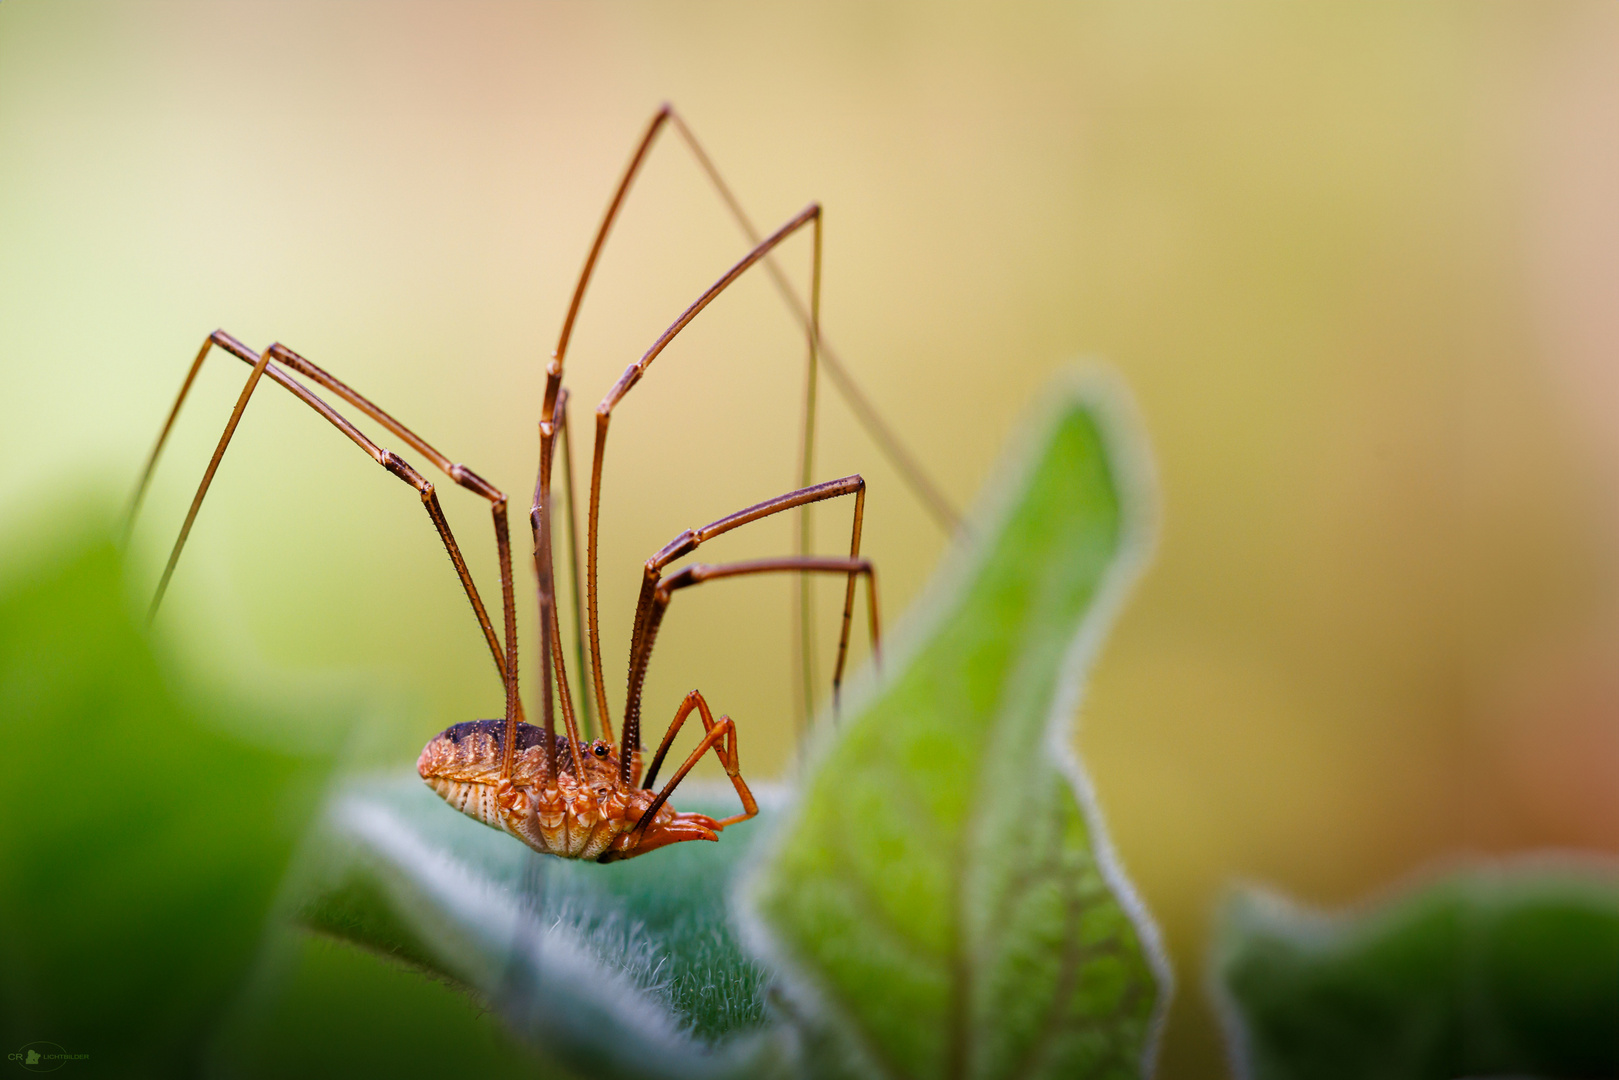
pixel 558 792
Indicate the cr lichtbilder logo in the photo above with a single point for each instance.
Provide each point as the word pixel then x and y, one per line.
pixel 44 1057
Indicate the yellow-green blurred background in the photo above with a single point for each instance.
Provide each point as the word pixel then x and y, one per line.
pixel 1358 262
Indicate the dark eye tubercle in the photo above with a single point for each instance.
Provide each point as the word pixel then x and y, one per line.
pixel 600 750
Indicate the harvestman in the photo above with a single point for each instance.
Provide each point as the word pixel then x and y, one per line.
pixel 557 792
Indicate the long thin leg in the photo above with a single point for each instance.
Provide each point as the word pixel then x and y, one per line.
pixel 697 573
pixel 168 425
pixel 538 519
pixel 631 376
pixel 478 486
pixel 887 441
pixel 613 207
pixel 691 539
pixel 726 754
pixel 806 531
pixel 550 631
pixel 586 708
pixel 508 596
pixel 259 364
pixel 234 347
pixel 266 364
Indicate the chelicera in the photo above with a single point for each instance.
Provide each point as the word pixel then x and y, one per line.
pixel 558 792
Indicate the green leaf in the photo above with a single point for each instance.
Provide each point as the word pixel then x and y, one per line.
pixel 632 969
pixel 1490 972
pixel 143 831
pixel 942 899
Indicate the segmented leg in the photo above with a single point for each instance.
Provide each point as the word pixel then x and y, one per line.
pixel 691 539
pixel 586 709
pixel 604 411
pixel 698 573
pixel 274 363
pixel 904 462
pixel 887 441
pixel 551 659
pixel 819 350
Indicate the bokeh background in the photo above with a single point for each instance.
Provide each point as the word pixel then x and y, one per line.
pixel 1358 264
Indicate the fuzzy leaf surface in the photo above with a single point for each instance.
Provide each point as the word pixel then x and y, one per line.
pixel 631 969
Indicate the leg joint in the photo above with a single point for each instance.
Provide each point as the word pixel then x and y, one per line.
pixel 475 483
pixel 401 468
pixel 684 544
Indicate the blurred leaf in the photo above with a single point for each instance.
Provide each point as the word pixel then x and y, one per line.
pixel 142 835
pixel 632 969
pixel 332 1010
pixel 942 899
pixel 1491 972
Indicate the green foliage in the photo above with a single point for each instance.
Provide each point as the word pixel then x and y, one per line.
pixel 142 836
pixel 1487 973
pixel 632 969
pixel 941 898
pixel 335 1011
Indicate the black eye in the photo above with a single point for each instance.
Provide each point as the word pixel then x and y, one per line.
pixel 600 750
